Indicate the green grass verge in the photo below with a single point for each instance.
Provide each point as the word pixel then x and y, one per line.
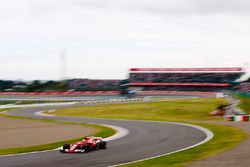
pixel 245 104
pixel 216 145
pixel 100 131
pixel 6 102
pixel 179 110
pixel 4 109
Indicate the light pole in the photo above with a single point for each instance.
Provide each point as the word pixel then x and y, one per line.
pixel 63 60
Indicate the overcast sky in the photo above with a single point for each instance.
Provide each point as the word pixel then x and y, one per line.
pixel 104 38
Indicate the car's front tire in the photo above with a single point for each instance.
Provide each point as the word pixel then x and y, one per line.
pixel 66 146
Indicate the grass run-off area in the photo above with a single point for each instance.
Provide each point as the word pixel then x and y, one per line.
pixel 3 109
pixel 100 131
pixel 188 111
pixel 177 110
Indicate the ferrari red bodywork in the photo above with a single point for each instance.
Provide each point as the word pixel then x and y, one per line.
pixel 85 145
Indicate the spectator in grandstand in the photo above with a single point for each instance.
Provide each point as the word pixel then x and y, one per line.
pixel 184 77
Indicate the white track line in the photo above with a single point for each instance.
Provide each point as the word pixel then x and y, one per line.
pixel 41 113
pixel 209 136
pixel 120 132
pixel 208 133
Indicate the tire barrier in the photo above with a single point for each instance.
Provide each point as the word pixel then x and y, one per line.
pixel 237 118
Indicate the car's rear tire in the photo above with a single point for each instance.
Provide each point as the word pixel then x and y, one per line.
pixel 86 148
pixel 102 145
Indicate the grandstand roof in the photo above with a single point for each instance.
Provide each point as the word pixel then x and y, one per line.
pixel 187 70
pixel 178 84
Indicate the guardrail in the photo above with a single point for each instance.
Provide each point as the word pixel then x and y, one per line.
pixel 115 101
pixel 155 92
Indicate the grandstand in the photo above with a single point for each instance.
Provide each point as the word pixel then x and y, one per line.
pixel 184 79
pixel 170 80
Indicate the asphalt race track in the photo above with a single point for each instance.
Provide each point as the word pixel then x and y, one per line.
pixel 145 139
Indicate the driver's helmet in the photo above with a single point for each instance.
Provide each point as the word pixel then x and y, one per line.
pixel 87 138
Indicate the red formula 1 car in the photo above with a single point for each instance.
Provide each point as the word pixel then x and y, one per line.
pixel 86 145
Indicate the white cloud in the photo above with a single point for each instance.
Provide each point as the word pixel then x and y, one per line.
pixel 104 38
